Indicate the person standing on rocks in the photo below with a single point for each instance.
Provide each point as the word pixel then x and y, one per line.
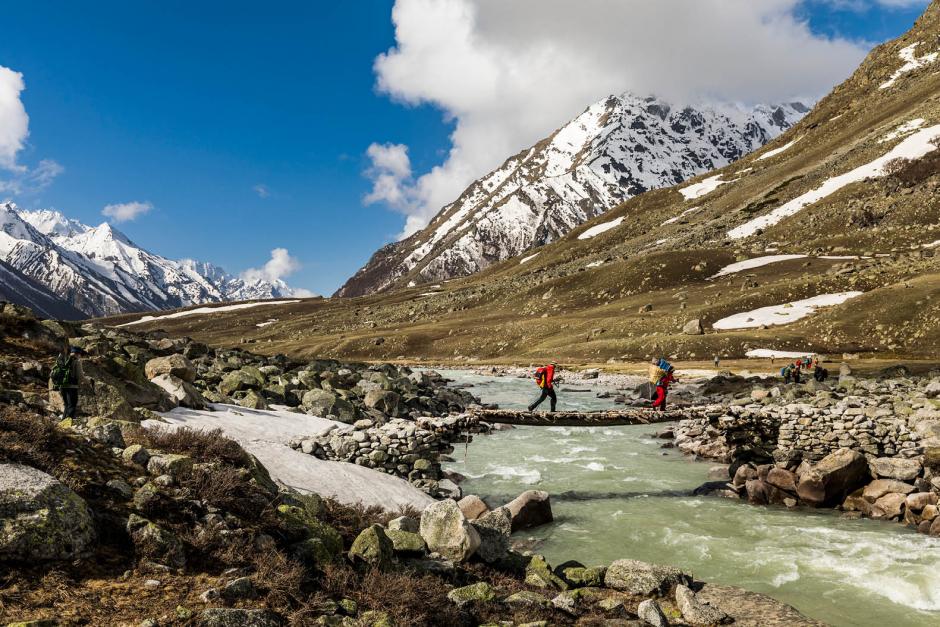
pixel 65 378
pixel 662 389
pixel 545 378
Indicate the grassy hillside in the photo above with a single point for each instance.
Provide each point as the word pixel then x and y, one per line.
pixel 627 292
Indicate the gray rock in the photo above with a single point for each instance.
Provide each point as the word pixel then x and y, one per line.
pixel 650 612
pixel 694 611
pixel 693 327
pixel 180 391
pixel 108 433
pixel 836 476
pixel 447 532
pixel 896 468
pixel 404 523
pixel 236 617
pixel 173 365
pixel 136 454
pixel 40 517
pixel 494 528
pixel 636 577
pixel 530 509
pixel 472 506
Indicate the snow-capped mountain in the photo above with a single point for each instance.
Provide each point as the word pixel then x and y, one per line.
pixel 20 289
pixel 617 148
pixel 102 272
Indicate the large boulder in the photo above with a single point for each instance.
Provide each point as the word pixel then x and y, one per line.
pixel 472 506
pixel 40 517
pixel 835 476
pixel 693 327
pixel 879 487
pixel 494 528
pixel 446 531
pixel 240 380
pixel 389 403
pixel 530 509
pixel 322 403
pixel 896 468
pixel 636 577
pixel 181 391
pixel 173 365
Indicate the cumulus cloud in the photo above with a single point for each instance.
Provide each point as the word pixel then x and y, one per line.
pixel 262 190
pixel 390 173
pixel 281 265
pixel 508 73
pixel 126 211
pixel 14 123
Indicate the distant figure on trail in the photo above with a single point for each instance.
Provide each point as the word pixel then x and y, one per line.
pixel 666 375
pixel 717 361
pixel 65 378
pixel 795 373
pixel 545 379
pixel 787 373
pixel 819 373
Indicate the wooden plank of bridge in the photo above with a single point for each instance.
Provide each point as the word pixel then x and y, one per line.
pixel 581 419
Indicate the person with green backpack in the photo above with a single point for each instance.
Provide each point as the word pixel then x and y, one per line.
pixel 65 378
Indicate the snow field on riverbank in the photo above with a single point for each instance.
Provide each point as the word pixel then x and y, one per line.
pixel 776 315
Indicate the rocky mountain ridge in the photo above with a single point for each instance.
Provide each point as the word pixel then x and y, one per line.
pixel 100 271
pixel 617 148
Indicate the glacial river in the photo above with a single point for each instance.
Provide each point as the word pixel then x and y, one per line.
pixel 615 494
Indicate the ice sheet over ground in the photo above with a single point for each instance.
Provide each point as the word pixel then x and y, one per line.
pixel 911 63
pixel 767 353
pixel 913 147
pixel 207 310
pixel 782 314
pixel 697 190
pixel 904 129
pixel 756 262
pixel 265 434
pixel 777 151
pixel 594 231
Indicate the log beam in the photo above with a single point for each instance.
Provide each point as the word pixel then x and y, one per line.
pixel 582 419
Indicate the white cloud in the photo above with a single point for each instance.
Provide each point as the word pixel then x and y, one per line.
pixel 126 211
pixel 262 190
pixel 279 266
pixel 300 292
pixel 14 123
pixel 392 184
pixel 32 180
pixel 508 73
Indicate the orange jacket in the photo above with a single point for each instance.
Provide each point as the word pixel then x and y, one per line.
pixel 544 376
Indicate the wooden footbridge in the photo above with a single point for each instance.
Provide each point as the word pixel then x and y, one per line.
pixel 607 418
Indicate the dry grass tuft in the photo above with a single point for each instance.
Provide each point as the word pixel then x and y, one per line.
pixel 349 520
pixel 202 445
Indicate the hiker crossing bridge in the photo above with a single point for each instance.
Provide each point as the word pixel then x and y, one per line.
pixel 605 418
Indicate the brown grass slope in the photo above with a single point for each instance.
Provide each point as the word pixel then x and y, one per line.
pixel 559 305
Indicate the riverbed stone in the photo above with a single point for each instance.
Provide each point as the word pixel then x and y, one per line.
pixel 406 541
pixel 530 509
pixel 539 573
pixel 835 476
pixel 494 529
pixel 783 479
pixel 636 577
pixel 40 517
pixel 879 487
pixel 917 501
pixel 480 592
pixel 896 468
pixel 472 506
pixel 891 504
pixel 696 612
pixel 447 532
pixel 525 599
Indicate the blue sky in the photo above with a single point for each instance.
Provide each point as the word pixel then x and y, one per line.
pixel 191 106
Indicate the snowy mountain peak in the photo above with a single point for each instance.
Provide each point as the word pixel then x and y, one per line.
pixel 100 271
pixel 616 148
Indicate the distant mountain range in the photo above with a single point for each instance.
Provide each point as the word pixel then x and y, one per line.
pixel 617 148
pixel 99 271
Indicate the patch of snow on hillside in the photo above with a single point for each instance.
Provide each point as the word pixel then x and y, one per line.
pixel 930 245
pixel 768 353
pixel 756 262
pixel 209 310
pixel 911 63
pixel 786 313
pixel 776 151
pixel 594 264
pixel 681 215
pixel 913 147
pixel 905 129
pixel 594 231
pixel 529 258
pixel 707 186
pixel 266 435
pixel 266 323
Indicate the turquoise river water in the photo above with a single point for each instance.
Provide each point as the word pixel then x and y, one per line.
pixel 615 494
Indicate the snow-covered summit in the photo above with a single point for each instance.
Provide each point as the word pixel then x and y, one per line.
pixel 617 148
pixel 100 271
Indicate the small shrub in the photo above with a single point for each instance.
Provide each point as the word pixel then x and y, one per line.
pixel 349 520
pixel 30 440
pixel 202 445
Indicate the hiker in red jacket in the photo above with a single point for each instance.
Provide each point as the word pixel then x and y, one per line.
pixel 545 378
pixel 662 388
